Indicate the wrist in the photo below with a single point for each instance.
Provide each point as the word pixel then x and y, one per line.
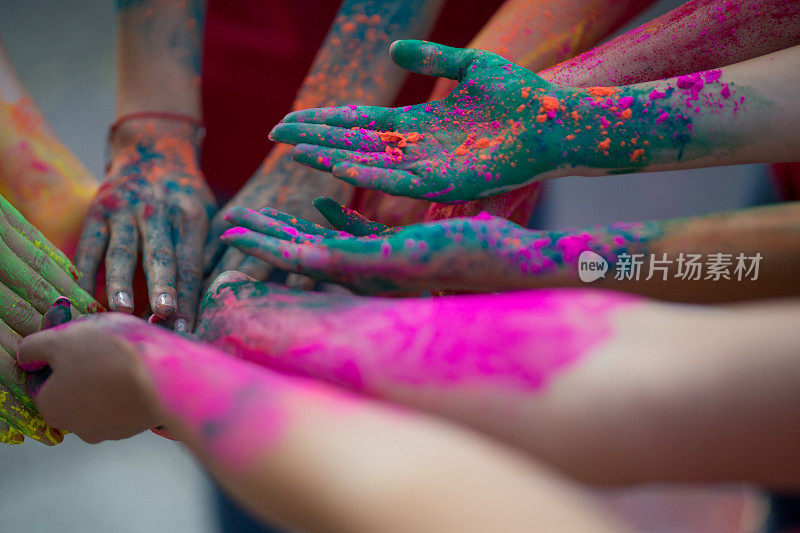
pixel 136 129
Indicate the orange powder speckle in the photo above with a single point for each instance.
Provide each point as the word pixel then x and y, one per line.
pixel 520 108
pixel 604 145
pixel 626 114
pixel 636 154
pixel 526 92
pixel 541 118
pixel 349 27
pixel 549 103
pixel 602 91
pixel 570 137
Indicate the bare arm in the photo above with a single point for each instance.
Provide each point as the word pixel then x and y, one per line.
pixel 607 388
pixel 154 192
pixel 350 67
pixel 730 256
pixel 296 452
pixel 38 173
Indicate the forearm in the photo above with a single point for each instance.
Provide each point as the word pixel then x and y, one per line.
pixel 542 371
pixel 671 260
pixel 698 35
pixel 160 50
pixel 287 449
pixel 744 113
pixel 351 67
pixel 38 173
pixel 537 34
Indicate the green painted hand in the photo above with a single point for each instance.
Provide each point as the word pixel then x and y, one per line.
pixel 33 274
pixel 18 414
pixel 501 128
pixel 482 253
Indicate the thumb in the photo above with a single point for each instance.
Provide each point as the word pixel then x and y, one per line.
pixel 433 59
pixel 346 219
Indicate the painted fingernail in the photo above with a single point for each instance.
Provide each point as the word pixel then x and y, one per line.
pixel 63 301
pixel 59 313
pixel 165 303
pixel 180 325
pixel 123 301
pixel 74 272
pixel 158 320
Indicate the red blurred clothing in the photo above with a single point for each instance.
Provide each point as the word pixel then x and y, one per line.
pixel 787 180
pixel 256 54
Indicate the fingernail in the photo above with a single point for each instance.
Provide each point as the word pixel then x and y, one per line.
pixel 165 303
pixel 123 300
pixel 74 272
pixel 180 325
pixel 158 320
pixel 59 313
pixel 63 301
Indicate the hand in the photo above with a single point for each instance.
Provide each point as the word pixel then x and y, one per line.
pixel 154 192
pixel 97 387
pixel 33 274
pixel 18 415
pixel 282 183
pixel 501 128
pixel 482 253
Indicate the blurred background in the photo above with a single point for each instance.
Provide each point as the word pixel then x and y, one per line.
pixel 65 55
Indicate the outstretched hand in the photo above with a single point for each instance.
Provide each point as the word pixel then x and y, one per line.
pixel 482 253
pixel 501 128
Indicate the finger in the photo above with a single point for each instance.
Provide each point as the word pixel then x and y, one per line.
pixel 214 248
pixel 254 268
pixel 26 420
pixel 191 233
pixel 346 219
pixel 158 259
pixel 10 342
pixel 396 182
pixel 236 260
pixel 123 248
pixel 432 59
pixel 348 116
pixel 13 379
pixel 9 435
pixel 41 262
pixel 91 247
pixel 286 227
pixel 36 237
pixel 325 159
pixel 21 316
pixel 298 281
pixel 330 136
pixel 24 281
pixel 305 259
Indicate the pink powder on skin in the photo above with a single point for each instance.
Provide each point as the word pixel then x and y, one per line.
pixel 238 412
pixel 516 341
pixel 238 230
